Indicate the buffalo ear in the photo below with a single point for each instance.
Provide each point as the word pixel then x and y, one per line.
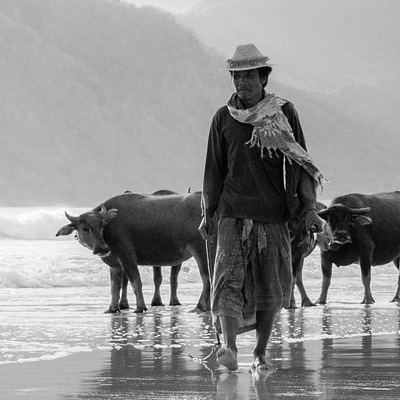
pixel 323 214
pixel 66 230
pixel 361 220
pixel 110 214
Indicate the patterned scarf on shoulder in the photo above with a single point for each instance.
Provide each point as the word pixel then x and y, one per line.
pixel 273 132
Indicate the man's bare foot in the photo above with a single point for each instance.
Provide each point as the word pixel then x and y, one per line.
pixel 227 358
pixel 260 363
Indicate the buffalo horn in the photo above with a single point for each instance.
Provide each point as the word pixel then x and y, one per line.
pixel 359 211
pixel 71 218
pixel 103 210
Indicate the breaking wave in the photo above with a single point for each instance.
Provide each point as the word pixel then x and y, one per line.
pixel 33 222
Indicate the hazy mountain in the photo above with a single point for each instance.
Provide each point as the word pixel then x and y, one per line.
pixel 99 97
pixel 321 45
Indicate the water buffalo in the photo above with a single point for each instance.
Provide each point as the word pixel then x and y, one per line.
pixel 302 245
pixel 362 229
pixel 137 229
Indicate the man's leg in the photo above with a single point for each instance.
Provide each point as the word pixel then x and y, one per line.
pixel 227 286
pixel 227 356
pixel 265 321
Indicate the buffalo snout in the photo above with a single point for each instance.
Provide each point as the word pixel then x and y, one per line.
pixel 339 239
pixel 342 237
pixel 101 250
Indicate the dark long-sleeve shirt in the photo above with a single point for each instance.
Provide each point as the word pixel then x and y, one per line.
pixel 239 183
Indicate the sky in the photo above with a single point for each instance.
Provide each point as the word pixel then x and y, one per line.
pixel 172 6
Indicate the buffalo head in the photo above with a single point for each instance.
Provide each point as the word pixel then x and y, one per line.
pixel 89 229
pixel 303 241
pixel 340 219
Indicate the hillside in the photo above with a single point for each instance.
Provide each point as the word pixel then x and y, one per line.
pixel 99 97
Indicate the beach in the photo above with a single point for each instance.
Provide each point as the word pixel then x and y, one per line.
pixel 351 368
pixel 56 342
pixel 321 353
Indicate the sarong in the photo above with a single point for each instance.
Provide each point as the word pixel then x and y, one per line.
pixel 252 272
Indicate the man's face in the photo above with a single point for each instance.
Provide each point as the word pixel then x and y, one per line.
pixel 248 85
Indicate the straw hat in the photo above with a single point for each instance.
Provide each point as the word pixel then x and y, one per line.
pixel 246 56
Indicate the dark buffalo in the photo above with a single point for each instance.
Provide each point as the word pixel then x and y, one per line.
pixel 302 245
pixel 157 274
pixel 135 229
pixel 362 229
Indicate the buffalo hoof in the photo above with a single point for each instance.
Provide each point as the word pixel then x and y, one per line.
pixel 175 303
pixel 369 301
pixel 140 310
pixel 112 310
pixel 157 303
pixel 124 306
pixel 200 309
pixel 292 304
pixel 307 303
pixel 396 299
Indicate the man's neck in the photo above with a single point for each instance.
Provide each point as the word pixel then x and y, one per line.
pixel 252 102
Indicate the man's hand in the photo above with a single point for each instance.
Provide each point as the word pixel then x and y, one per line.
pixel 313 221
pixel 206 228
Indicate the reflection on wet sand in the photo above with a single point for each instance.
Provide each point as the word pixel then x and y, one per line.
pixel 149 360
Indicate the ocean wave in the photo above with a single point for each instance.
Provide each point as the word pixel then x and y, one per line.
pixel 33 222
pixel 80 276
pixel 45 357
pixel 44 263
pixel 41 276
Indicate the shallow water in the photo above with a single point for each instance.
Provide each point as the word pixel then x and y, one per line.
pixel 49 322
pixel 53 294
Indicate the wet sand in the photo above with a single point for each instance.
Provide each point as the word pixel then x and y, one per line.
pixel 362 367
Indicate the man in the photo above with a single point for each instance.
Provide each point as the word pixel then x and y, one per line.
pixel 256 164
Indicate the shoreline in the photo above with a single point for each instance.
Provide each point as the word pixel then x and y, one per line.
pixel 359 367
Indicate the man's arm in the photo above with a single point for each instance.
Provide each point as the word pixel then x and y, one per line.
pixel 214 175
pixel 306 189
pixel 215 168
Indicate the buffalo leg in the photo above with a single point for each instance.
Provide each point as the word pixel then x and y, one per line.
pixel 132 272
pixel 365 265
pixel 115 283
pixel 292 303
pixel 123 301
pixel 397 295
pixel 204 301
pixel 305 300
pixel 173 282
pixel 297 267
pixel 326 267
pixel 117 278
pixel 157 280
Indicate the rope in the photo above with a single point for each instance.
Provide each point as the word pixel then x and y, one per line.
pixel 215 348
